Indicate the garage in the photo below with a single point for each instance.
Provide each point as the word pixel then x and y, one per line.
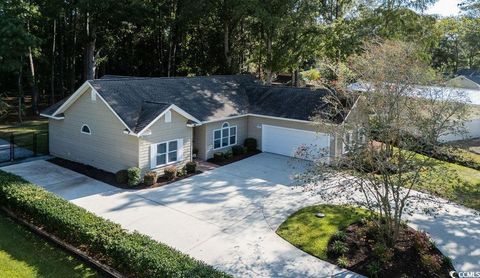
pixel 286 141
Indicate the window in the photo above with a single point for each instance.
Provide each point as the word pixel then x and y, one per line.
pixel 168 116
pixel 225 136
pixel 166 153
pixel 85 129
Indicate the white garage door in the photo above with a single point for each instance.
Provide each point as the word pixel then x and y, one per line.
pixel 286 141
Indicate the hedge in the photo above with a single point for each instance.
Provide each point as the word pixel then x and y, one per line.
pixel 133 254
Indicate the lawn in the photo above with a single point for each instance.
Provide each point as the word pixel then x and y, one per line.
pixel 24 134
pixel 310 233
pixel 26 127
pixel 453 182
pixel 24 254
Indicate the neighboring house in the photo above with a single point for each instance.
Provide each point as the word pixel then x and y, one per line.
pixel 472 125
pixel 115 123
pixel 467 79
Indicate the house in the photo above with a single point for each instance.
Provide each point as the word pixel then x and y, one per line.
pixel 472 98
pixel 467 79
pixel 115 123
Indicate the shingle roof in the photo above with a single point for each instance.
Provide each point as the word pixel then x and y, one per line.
pixel 472 74
pixel 288 102
pixel 138 101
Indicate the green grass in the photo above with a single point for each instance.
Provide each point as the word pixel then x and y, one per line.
pixel 24 134
pixel 453 182
pixel 24 254
pixel 26 127
pixel 311 234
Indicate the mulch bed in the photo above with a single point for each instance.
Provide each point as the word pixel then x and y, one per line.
pixel 233 158
pixel 407 261
pixel 108 177
pixel 161 181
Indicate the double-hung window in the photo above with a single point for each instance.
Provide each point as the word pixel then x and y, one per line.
pixel 166 153
pixel 225 136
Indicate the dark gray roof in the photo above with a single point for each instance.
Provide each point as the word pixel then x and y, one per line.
pixel 472 74
pixel 289 102
pixel 149 112
pixel 138 101
pixel 51 109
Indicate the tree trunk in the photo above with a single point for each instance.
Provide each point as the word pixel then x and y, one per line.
pixel 226 37
pixel 52 68
pixel 226 47
pixel 73 53
pixel 20 91
pixel 89 58
pixel 295 74
pixel 269 60
pixel 33 84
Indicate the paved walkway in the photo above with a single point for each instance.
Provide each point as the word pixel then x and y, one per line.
pixel 227 217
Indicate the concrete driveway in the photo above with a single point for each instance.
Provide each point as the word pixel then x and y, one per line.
pixel 226 217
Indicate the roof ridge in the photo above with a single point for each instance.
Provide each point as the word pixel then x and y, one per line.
pixel 170 77
pixel 285 87
pixel 156 102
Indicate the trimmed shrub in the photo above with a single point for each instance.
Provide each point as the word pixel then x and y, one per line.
pixel 228 154
pixel 191 167
pixel 238 150
pixel 250 144
pixel 133 254
pixel 134 176
pixel 170 172
pixel 150 178
pixel 218 157
pixel 121 176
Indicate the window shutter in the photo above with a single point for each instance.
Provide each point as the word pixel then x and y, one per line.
pixel 153 156
pixel 180 149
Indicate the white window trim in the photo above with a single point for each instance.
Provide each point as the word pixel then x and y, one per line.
pixel 153 153
pixel 81 130
pixel 221 136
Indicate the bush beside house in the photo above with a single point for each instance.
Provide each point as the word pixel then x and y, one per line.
pixel 133 254
pixel 150 178
pixel 134 176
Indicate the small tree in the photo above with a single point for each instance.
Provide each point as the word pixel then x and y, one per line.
pixel 399 114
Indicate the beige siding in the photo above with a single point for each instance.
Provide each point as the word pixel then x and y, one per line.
pixel 255 129
pixel 199 141
pixel 162 132
pixel 206 147
pixel 106 148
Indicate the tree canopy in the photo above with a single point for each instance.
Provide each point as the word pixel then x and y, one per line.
pixel 48 48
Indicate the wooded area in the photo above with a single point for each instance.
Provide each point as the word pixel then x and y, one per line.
pixel 48 48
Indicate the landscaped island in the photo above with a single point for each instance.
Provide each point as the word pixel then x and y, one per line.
pixel 346 237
